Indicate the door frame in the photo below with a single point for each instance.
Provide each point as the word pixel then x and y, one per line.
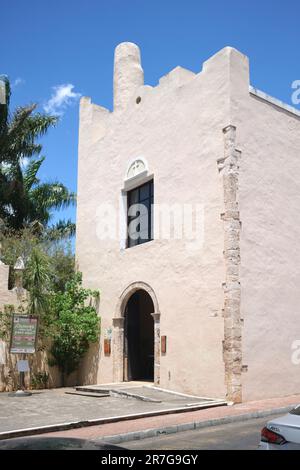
pixel 119 367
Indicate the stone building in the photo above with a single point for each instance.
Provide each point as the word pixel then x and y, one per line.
pixel 218 314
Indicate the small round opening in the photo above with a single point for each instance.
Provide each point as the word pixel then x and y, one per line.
pixel 138 100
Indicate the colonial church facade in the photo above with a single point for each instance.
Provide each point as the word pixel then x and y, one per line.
pixel 216 313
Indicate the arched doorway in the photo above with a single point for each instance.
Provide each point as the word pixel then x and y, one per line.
pixel 120 361
pixel 139 337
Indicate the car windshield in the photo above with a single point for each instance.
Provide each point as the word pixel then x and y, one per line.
pixel 295 411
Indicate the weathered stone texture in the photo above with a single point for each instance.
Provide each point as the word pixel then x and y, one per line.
pixel 232 344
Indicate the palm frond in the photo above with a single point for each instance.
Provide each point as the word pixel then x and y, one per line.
pixel 62 229
pixel 30 179
pixel 38 124
pixel 24 200
pixel 23 129
pixel 53 196
pixel 14 138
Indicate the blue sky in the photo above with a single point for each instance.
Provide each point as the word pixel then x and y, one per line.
pixel 47 44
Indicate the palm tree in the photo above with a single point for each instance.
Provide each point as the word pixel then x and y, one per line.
pixel 37 282
pixel 24 199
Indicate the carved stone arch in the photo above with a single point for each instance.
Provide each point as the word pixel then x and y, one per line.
pixel 136 168
pixel 118 327
pixel 129 291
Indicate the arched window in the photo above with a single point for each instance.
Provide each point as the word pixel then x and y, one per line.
pixel 138 200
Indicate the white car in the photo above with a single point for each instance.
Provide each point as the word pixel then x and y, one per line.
pixel 282 433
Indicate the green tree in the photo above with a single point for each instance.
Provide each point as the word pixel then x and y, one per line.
pixel 26 243
pixel 24 199
pixel 37 281
pixel 62 262
pixel 73 325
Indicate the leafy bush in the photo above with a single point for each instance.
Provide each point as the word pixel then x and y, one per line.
pixel 39 380
pixel 73 325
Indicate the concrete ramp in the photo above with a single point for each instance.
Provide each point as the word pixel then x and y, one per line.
pixel 149 393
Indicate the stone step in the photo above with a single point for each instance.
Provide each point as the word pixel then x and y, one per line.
pixel 88 394
pixel 116 392
pixel 93 390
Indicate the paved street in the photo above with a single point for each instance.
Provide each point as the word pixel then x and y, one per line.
pixel 234 436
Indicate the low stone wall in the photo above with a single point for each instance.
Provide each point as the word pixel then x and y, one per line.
pixel 9 376
pixel 38 364
pixel 9 296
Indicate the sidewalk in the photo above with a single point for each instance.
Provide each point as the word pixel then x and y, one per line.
pixel 153 426
pixel 63 409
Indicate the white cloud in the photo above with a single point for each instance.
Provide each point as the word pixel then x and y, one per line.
pixel 62 97
pixel 18 81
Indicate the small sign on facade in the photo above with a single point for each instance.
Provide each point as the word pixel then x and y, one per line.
pixel 163 344
pixel 108 333
pixel 23 335
pixel 107 347
pixel 107 341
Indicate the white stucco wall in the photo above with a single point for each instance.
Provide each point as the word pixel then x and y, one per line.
pixel 7 297
pixel 269 138
pixel 177 128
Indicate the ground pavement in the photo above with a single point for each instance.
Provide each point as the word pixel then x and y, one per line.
pixel 142 427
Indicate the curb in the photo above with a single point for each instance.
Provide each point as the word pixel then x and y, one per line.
pixel 155 432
